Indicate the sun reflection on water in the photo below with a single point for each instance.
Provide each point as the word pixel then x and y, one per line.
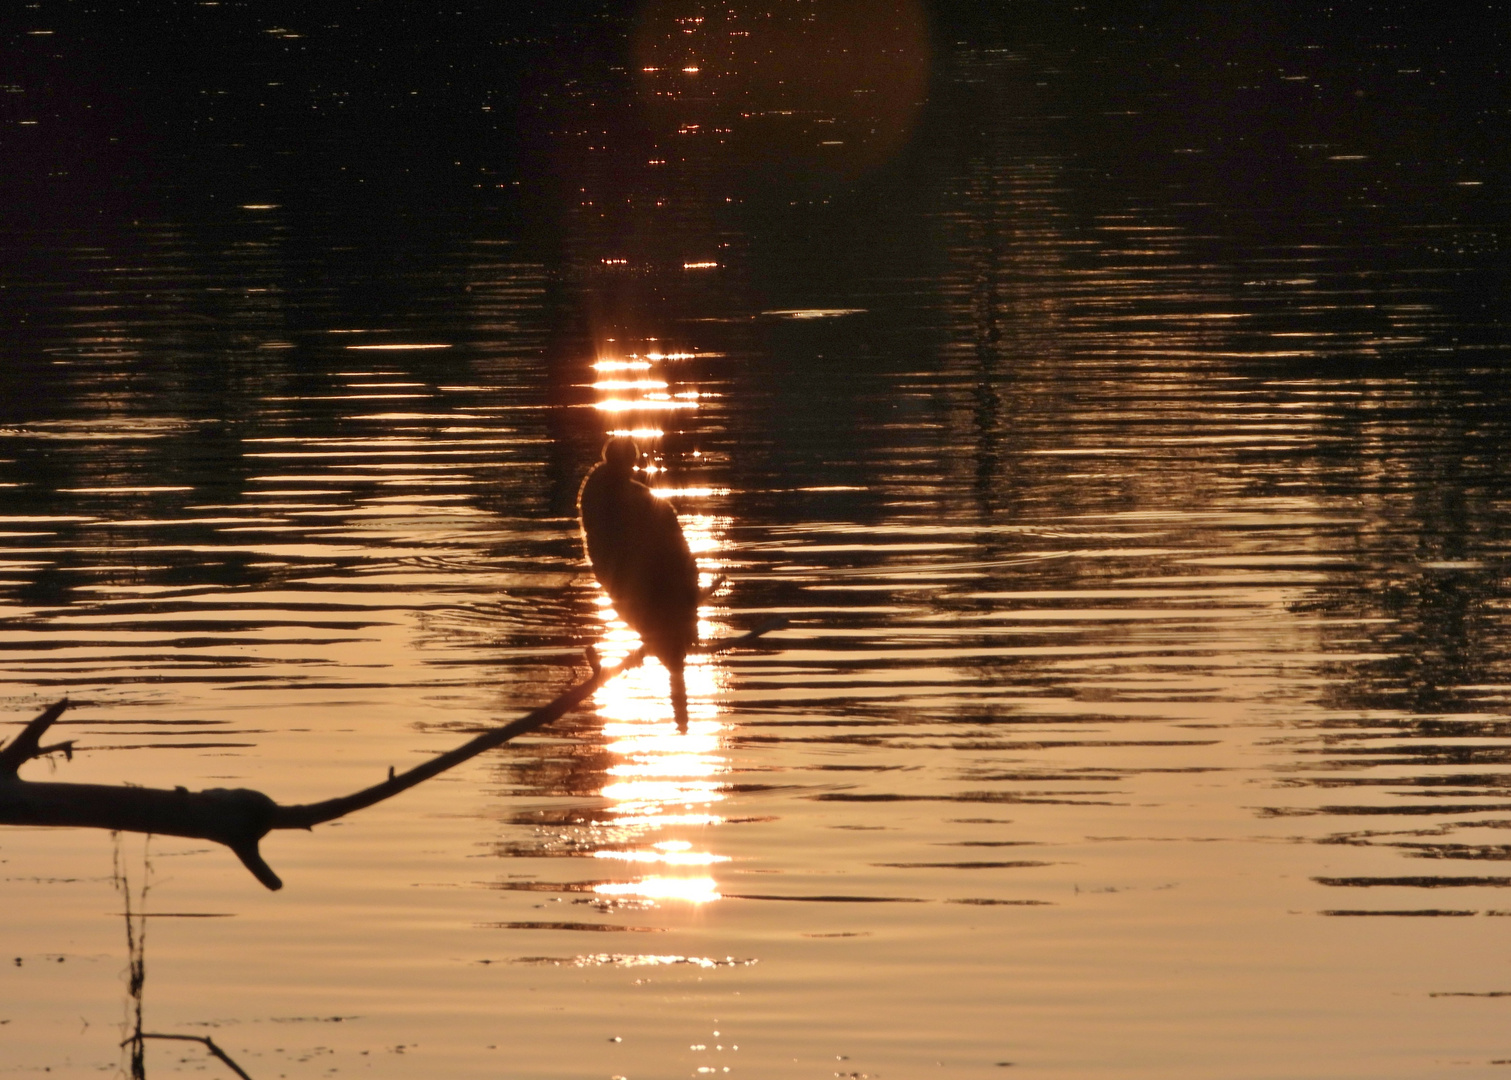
pixel 694 890
pixel 660 779
pixel 664 788
pixel 650 401
pixel 670 852
pixel 629 384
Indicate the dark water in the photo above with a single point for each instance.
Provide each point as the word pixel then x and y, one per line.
pixel 1120 430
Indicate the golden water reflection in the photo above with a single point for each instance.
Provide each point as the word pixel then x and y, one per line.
pixel 664 787
pixel 624 393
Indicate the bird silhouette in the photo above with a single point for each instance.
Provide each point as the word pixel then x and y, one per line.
pixel 641 558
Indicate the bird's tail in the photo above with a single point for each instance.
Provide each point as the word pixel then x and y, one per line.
pixel 679 697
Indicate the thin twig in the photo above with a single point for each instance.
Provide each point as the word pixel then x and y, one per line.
pixel 136 953
pixel 205 1040
pixel 310 814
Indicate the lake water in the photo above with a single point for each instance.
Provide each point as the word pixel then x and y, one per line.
pixel 1121 433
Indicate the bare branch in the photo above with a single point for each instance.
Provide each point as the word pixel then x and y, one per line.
pixel 311 814
pixel 64 748
pixel 25 746
pixel 240 817
pixel 235 817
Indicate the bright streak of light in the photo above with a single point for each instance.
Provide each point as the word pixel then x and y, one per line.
pixel 633 736
pixel 669 858
pixel 622 365
pixel 815 313
pixel 688 492
pixel 629 384
pixel 650 959
pixel 683 790
pixel 639 432
pixel 693 890
pixel 662 765
pixel 647 404
pixel 703 530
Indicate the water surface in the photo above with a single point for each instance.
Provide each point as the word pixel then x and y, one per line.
pixel 1131 477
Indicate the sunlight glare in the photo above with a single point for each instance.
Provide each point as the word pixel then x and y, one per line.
pixel 659 778
pixel 649 404
pixel 669 858
pixel 693 890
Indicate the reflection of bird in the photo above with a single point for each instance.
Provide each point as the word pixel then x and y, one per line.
pixel 641 558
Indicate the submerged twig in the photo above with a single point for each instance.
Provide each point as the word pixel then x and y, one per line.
pixel 136 954
pixel 136 972
pixel 240 817
pixel 204 1040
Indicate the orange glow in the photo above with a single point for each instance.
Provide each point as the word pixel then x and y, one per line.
pixel 659 779
pixel 629 384
pixel 670 858
pixel 621 365
pixel 649 404
pixel 693 890
pixel 704 532
pixel 688 492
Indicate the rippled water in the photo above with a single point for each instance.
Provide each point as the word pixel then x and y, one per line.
pixel 1142 710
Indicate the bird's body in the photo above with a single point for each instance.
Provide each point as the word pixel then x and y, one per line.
pixel 641 558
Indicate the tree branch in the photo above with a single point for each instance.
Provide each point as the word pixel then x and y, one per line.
pixel 240 817
pixel 311 814
pixel 27 745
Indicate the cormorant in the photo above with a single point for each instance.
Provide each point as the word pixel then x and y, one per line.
pixel 641 558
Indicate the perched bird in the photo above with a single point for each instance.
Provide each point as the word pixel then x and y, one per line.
pixel 641 558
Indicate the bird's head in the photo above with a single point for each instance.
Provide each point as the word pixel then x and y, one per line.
pixel 621 453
